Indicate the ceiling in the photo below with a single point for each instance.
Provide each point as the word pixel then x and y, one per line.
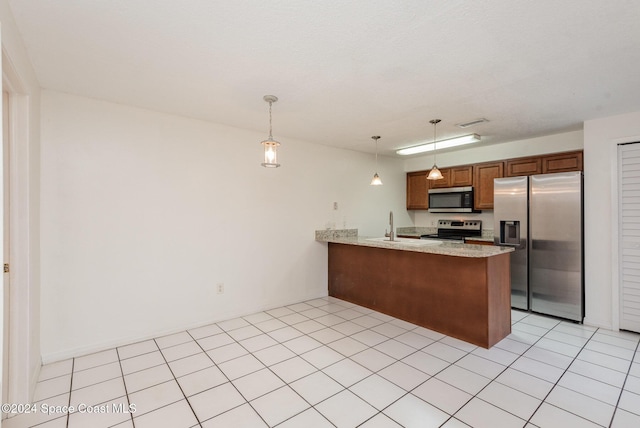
pixel 347 70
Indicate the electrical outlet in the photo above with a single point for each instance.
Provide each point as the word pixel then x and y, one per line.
pixel 335 206
pixel 220 288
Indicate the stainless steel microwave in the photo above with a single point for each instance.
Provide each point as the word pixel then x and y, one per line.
pixel 451 200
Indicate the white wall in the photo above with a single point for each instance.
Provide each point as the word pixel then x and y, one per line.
pixel 566 141
pixel 601 138
pixel 144 213
pixel 25 210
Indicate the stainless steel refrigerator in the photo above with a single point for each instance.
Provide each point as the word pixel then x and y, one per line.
pixel 541 216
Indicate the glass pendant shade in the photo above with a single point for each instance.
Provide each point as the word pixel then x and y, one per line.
pixel 435 173
pixel 270 153
pixel 376 181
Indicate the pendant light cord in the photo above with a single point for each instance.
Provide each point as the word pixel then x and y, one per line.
pixel 270 127
pixel 434 142
pixel 435 146
pixel 376 138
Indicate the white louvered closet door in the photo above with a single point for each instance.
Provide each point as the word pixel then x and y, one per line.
pixel 629 239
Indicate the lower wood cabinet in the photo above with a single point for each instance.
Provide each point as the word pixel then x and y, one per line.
pixel 476 242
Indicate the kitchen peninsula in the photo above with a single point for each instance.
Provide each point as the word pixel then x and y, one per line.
pixel 460 290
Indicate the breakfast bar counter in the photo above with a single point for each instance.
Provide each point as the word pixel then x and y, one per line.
pixel 460 290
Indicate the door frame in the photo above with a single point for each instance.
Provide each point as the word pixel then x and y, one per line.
pixel 21 379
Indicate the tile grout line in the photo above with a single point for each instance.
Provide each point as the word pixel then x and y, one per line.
pixel 420 384
pixel 126 391
pixel 476 395
pixel 348 358
pixel 544 400
pixel 396 361
pixel 623 384
pixel 440 371
pixel 317 370
pixel 73 364
pixel 387 338
pixel 452 416
pixel 228 380
pixel 520 356
pixel 321 370
pixel 177 383
pixel 286 384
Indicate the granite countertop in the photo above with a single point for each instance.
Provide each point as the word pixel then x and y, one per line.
pixel 443 248
pixel 481 238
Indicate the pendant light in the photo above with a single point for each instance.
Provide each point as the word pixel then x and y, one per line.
pixel 435 173
pixel 270 145
pixel 376 181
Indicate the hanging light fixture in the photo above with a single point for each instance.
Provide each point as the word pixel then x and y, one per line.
pixel 376 181
pixel 435 173
pixel 270 145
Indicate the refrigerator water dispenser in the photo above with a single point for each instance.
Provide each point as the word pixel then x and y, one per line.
pixel 510 232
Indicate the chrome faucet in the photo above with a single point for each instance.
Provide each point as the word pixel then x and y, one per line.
pixel 390 234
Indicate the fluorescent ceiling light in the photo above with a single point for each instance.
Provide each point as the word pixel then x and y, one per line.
pixel 443 144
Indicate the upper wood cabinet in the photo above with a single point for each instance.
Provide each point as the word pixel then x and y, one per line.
pixel 439 184
pixel 544 164
pixel 523 166
pixel 461 176
pixel 417 190
pixel 481 176
pixel 562 162
pixel 457 176
pixel 483 183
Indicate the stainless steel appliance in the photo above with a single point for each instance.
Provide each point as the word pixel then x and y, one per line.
pixel 541 216
pixel 456 230
pixel 451 200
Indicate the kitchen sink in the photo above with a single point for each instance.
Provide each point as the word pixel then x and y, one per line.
pixel 407 241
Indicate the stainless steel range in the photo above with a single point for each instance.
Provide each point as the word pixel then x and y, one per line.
pixel 456 230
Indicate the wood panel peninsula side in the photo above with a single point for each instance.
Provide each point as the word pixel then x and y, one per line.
pixel 460 290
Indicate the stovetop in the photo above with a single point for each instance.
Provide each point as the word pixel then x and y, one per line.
pixel 456 230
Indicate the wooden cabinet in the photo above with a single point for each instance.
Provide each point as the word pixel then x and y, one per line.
pixel 562 162
pixel 457 176
pixel 544 164
pixel 481 176
pixel 439 184
pixel 476 242
pixel 523 166
pixel 461 176
pixel 468 298
pixel 417 190
pixel 483 183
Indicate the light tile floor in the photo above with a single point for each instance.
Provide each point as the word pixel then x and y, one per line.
pixel 329 363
